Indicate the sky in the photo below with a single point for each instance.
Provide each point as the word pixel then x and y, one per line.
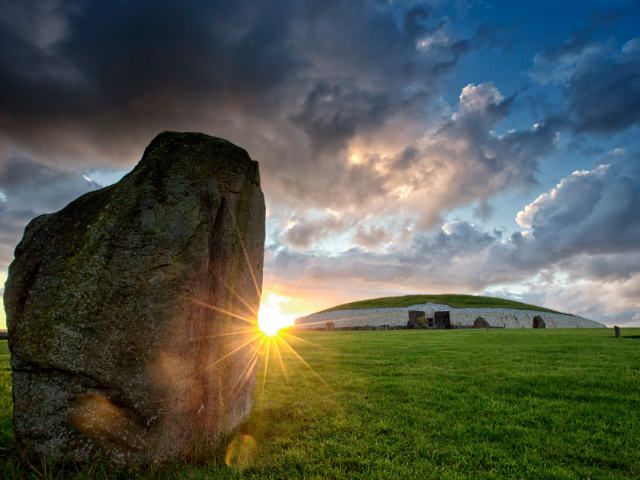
pixel 485 147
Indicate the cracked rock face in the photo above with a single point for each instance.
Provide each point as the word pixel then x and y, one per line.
pixel 132 311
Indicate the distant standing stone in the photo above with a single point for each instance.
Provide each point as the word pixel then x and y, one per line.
pixel 116 352
pixel 417 319
pixel 480 322
pixel 617 330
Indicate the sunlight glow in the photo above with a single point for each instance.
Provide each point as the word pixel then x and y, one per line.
pixel 271 316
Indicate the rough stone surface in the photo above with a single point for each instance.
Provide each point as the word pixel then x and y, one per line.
pixel 480 323
pixel 116 353
pixel 396 317
pixel 417 319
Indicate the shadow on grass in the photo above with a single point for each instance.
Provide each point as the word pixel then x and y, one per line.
pixel 263 424
pixel 15 466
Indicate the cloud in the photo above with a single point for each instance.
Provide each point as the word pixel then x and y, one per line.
pixel 344 105
pixel 372 237
pixel 303 233
pixel 331 115
pixel 613 302
pixel 30 189
pixel 139 70
pixel 580 236
pixel 590 211
pixel 41 23
pixel 296 83
pixel 466 161
pixel 604 93
pixel 304 87
pixel 601 83
pixel 419 174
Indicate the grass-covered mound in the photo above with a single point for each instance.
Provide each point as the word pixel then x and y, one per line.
pixel 453 300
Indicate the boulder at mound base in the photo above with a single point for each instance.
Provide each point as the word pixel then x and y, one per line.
pixel 116 351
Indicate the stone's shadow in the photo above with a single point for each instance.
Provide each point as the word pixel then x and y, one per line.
pixel 635 337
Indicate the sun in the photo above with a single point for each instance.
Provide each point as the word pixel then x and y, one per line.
pixel 271 317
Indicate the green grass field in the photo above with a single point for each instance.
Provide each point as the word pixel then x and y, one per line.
pixel 453 300
pixel 410 404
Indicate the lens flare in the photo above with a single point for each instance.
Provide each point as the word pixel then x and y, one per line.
pixel 241 452
pixel 271 317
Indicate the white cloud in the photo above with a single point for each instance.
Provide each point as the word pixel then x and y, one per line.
pixel 525 217
pixel 475 98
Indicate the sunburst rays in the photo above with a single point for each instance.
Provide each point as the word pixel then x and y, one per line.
pixel 265 329
pixel 264 345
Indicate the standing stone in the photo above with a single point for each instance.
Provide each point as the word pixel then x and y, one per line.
pixel 417 319
pixel 616 331
pixel 480 322
pixel 132 311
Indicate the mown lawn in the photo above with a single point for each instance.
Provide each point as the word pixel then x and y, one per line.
pixel 429 404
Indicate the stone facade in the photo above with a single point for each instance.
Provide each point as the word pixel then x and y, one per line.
pixel 460 317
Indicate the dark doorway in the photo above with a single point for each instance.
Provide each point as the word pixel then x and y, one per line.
pixel 442 320
pixel 480 323
pixel 538 322
pixel 330 326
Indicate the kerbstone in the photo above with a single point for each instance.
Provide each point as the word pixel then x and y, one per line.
pixel 460 317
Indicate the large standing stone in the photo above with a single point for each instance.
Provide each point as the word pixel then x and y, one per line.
pixel 417 319
pixel 131 311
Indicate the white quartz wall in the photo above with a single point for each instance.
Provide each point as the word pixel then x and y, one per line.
pixel 398 317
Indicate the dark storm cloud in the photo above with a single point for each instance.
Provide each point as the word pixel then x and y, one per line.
pixel 604 93
pixel 88 83
pixel 117 71
pixel 601 83
pixel 113 73
pixel 28 189
pixel 331 114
